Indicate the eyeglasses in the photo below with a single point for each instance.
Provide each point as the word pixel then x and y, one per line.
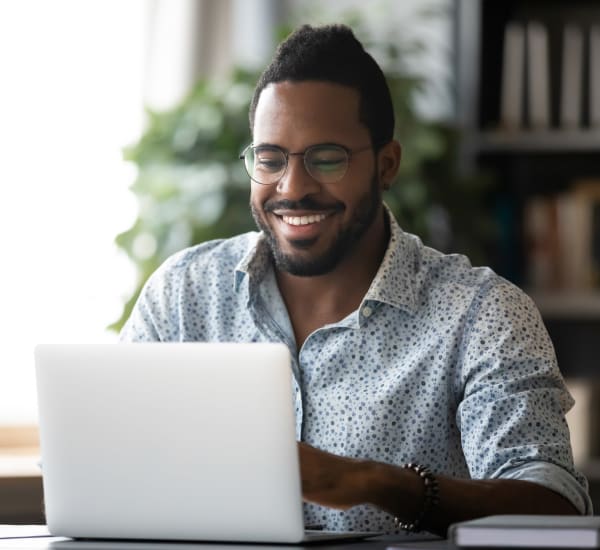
pixel 326 163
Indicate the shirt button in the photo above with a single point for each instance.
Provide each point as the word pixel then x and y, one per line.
pixel 367 311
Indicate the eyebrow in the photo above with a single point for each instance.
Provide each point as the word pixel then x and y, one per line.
pixel 321 144
pixel 263 144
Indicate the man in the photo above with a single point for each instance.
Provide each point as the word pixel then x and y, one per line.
pixel 400 354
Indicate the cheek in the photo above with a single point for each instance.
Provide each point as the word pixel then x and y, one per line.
pixel 258 195
pixel 359 190
pixel 363 174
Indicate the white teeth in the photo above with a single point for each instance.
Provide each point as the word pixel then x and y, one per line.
pixel 303 220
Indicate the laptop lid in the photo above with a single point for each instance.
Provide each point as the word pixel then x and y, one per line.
pixel 178 441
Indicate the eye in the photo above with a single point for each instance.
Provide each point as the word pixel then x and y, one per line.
pixel 269 160
pixel 327 159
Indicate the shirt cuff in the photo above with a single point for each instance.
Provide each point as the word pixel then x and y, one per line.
pixel 555 478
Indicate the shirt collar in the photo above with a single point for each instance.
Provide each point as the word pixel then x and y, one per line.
pixel 394 282
pixel 255 262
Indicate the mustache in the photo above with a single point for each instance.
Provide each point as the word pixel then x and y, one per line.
pixel 305 203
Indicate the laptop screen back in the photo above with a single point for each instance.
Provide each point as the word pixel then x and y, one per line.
pixel 185 441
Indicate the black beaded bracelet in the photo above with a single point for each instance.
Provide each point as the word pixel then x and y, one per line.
pixel 430 500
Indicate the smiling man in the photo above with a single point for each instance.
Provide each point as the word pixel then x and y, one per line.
pixel 310 231
pixel 426 390
pixel 318 197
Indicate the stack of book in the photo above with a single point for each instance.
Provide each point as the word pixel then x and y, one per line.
pixel 523 531
pixel 562 239
pixel 527 97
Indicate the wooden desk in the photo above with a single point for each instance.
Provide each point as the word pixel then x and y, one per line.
pixel 21 494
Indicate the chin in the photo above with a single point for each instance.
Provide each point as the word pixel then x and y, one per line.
pixel 312 257
pixel 303 262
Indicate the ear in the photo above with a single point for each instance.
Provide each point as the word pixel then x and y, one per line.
pixel 389 163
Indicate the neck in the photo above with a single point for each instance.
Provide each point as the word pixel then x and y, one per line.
pixel 315 301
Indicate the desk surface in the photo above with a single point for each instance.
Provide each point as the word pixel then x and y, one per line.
pixel 378 543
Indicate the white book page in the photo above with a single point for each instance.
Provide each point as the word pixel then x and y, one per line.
pixel 513 69
pixel 571 78
pixel 538 76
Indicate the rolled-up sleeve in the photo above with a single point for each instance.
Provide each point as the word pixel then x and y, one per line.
pixel 512 412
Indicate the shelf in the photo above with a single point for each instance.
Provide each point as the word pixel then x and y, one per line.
pixel 523 162
pixel 20 463
pixel 19 451
pixel 567 305
pixel 548 141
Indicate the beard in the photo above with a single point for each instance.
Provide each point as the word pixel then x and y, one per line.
pixel 342 245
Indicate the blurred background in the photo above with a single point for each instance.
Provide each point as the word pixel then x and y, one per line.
pixel 120 129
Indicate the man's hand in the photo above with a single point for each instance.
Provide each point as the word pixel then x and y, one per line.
pixel 341 482
pixel 331 480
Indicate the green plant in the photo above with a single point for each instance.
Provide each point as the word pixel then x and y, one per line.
pixel 191 187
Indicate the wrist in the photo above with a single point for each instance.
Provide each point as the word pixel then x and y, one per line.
pixel 396 490
pixel 430 498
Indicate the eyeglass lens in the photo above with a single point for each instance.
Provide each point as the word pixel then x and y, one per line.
pixel 325 163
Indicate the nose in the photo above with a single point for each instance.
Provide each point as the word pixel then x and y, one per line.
pixel 296 182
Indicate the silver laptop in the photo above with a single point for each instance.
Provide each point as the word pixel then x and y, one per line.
pixel 178 441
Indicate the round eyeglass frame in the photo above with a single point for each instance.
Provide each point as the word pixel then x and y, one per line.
pixel 286 154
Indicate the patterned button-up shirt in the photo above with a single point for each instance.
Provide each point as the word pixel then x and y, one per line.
pixel 442 364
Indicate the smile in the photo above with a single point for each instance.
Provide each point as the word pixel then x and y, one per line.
pixel 303 220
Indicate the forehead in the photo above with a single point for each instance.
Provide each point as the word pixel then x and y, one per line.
pixel 298 114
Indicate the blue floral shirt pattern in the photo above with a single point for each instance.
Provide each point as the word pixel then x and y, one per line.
pixel 442 364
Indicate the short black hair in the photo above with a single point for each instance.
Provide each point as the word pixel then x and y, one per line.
pixel 332 53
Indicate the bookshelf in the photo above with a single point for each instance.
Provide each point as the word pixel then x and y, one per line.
pixel 549 141
pixel 568 304
pixel 527 103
